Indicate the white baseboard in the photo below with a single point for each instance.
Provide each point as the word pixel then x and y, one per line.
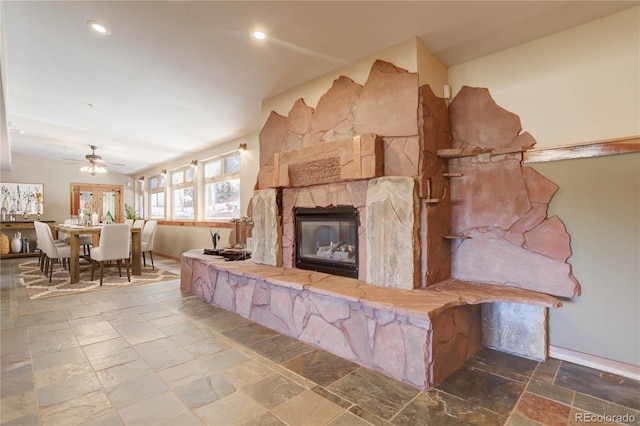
pixel 166 256
pixel 610 366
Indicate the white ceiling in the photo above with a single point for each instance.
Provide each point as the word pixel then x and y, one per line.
pixel 178 77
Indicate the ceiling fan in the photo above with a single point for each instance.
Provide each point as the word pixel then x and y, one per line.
pixel 95 164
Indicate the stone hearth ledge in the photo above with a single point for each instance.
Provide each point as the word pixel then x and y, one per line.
pixel 416 336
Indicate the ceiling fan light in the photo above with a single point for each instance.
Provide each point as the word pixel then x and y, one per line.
pixel 93 169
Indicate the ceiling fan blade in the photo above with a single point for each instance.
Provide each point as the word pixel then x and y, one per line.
pixel 113 164
pixel 77 160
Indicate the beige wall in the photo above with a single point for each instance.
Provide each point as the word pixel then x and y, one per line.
pixel 430 70
pixel 577 86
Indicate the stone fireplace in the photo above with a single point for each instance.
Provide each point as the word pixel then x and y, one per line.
pixel 448 248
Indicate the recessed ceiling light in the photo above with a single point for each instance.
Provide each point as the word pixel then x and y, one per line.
pixel 99 27
pixel 258 35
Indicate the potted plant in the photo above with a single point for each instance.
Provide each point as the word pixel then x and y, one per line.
pixel 130 213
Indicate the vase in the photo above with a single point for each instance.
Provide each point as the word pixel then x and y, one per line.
pixel 16 245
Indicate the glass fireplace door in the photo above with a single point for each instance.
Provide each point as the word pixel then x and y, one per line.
pixel 327 240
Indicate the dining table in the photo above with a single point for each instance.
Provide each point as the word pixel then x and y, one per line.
pixel 74 232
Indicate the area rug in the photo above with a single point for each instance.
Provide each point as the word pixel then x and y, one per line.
pixel 38 286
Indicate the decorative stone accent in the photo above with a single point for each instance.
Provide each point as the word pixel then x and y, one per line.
pixel 515 328
pixel 539 188
pixel 388 104
pixel 487 257
pixel 299 118
pixel 488 194
pixel 392 233
pixel 267 231
pixel 272 137
pixel 501 205
pixel 478 122
pixel 360 157
pixel 435 219
pixel 549 238
pixel 402 156
pixel 335 107
pixel 457 335
pixel 530 220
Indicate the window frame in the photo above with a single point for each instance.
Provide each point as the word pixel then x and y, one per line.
pixel 223 177
pixel 162 185
pixel 182 185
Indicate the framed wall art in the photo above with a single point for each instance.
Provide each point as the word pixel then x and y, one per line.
pixel 22 197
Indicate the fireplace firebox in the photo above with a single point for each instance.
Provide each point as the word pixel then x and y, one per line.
pixel 327 240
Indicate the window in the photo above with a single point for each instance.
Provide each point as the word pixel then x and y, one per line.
pixel 222 187
pixel 156 197
pixel 183 190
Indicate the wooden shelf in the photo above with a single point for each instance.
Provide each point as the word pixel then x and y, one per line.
pixel 456 237
pixel 584 150
pixel 431 201
pixel 452 175
pixel 20 224
pixel 17 255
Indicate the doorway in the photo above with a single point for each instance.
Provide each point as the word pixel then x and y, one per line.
pixel 98 198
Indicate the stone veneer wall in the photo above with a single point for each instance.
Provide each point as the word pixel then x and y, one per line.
pixel 266 213
pixel 501 206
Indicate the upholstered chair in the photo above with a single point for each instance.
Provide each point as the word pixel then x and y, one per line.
pixel 113 246
pixel 53 250
pixel 147 239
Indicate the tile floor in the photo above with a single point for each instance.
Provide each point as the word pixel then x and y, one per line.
pixel 151 355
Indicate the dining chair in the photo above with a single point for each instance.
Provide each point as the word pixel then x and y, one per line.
pixel 42 255
pixel 138 223
pixel 147 239
pixel 86 240
pixel 54 251
pixel 114 245
pixel 128 222
pixel 43 259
